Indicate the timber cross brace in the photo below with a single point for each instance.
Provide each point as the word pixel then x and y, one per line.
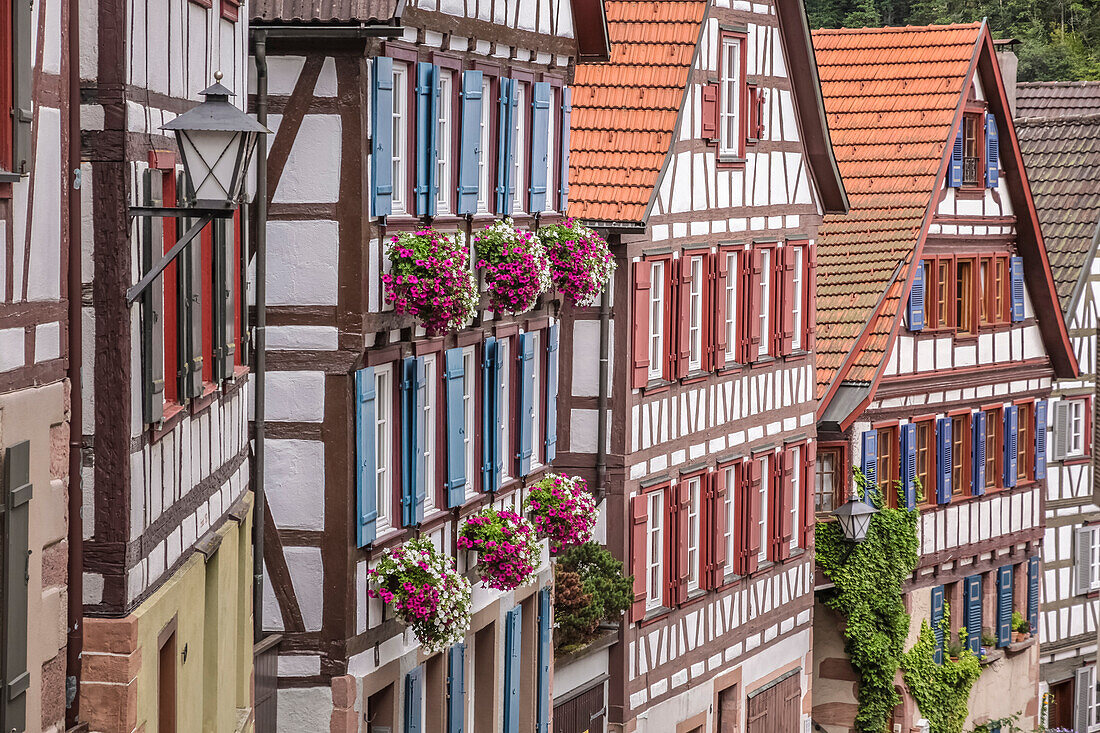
pixel 206 215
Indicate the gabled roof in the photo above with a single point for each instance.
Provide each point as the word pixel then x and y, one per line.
pixel 625 112
pixel 1057 98
pixel 894 98
pixel 1063 157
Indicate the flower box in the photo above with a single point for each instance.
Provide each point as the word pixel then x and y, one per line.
pixel 507 550
pixel 430 279
pixel 580 261
pixel 562 509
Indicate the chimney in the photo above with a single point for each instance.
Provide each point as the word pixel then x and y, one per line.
pixel 1006 57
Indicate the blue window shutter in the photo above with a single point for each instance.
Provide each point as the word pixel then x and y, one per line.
pixel 943 460
pixel 365 467
pixel 992 152
pixel 916 300
pixel 1004 605
pixel 456 427
pixel 419 464
pixel 909 464
pixel 937 619
pixel 513 140
pixel 1016 270
pixel 973 603
pixel 513 644
pixel 1011 428
pixel 546 655
pixel 456 688
pixel 869 462
pixel 540 125
pixel 435 145
pixel 489 433
pixel 551 392
pixel 563 174
pixel 414 700
pixel 977 453
pixel 955 171
pixel 469 147
pixel 381 125
pixel 527 368
pixel 505 134
pixel 498 417
pixel 1033 593
pixel 1040 440
pixel 409 448
pixel 426 76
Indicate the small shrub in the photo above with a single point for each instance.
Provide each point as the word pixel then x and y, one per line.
pixel 589 589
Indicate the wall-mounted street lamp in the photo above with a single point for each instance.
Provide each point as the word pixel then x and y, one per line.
pixel 216 141
pixel 855 517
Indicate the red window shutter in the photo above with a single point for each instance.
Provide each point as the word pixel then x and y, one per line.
pixel 639 506
pixel 718 294
pixel 718 527
pixel 758 105
pixel 786 300
pixel 710 111
pixel 791 468
pixel 809 317
pixel 751 517
pixel 752 111
pixel 641 323
pixel 776 320
pixel 683 317
pixel 753 326
pixel 809 471
pixel 680 577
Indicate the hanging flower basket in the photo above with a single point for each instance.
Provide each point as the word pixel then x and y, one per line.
pixel 425 591
pixel 430 278
pixel 516 270
pixel 580 261
pixel 562 509
pixel 506 545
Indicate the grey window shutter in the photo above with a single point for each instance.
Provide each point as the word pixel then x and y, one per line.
pixel 152 305
pixel 17 492
pixel 190 313
pixel 223 261
pixel 22 67
pixel 1082 696
pixel 1082 560
pixel 1061 431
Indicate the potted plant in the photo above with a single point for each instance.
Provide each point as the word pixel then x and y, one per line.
pixel 1021 628
pixel 516 270
pixel 580 261
pixel 506 546
pixel 589 591
pixel 430 279
pixel 562 509
pixel 425 591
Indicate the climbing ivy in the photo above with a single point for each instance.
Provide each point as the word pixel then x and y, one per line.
pixel 867 593
pixel 942 691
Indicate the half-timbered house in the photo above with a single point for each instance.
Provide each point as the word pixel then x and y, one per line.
pixel 377 433
pixel 940 335
pixel 1059 130
pixel 702 151
pixel 166 513
pixel 35 292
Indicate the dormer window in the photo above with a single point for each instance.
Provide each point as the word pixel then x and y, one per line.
pixel 975 153
pixel 972 150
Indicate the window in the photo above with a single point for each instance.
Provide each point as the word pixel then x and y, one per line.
pixel 827 482
pixel 469 377
pixel 551 169
pixel 504 347
pixel 764 465
pixel 443 135
pixel 798 255
pixel 487 109
pixel 926 470
pixel 731 516
pixel 657 320
pixel 695 318
pixel 943 293
pixel 536 402
pixel 383 480
pixel 1086 561
pixel 427 439
pixel 964 296
pixel 960 451
pixel 733 306
pixel 729 710
pixel 973 143
pixel 985 284
pixel 887 464
pixel 993 427
pixel 796 493
pixel 1024 442
pixel 730 132
pixel 765 291
pixel 655 550
pixel 1070 428
pixel 1000 290
pixel 693 533
pixel 400 154
pixel 519 200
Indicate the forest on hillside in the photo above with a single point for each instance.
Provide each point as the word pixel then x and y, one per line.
pixel 1058 40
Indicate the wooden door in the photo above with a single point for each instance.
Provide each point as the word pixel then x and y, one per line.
pixel 581 714
pixel 776 708
pixel 1061 705
pixel 166 681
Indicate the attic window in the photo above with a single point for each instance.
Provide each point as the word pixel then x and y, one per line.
pixel 972 149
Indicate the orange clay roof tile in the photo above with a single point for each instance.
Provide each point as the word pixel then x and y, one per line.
pixel 890 99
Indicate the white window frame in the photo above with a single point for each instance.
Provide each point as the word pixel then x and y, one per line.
pixel 470 374
pixel 443 137
pixel 427 440
pixel 824 475
pixel 694 530
pixel 733 283
pixel 695 315
pixel 504 352
pixel 383 446
pixel 1075 439
pixel 519 200
pixel 536 402
pixel 765 288
pixel 731 519
pixel 657 319
pixel 765 487
pixel 399 127
pixel 730 135
pixel 483 145
pixel 796 495
pixel 655 550
pixel 797 305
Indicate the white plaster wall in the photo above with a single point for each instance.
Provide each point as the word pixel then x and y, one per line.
pixel 294 473
pixel 303 257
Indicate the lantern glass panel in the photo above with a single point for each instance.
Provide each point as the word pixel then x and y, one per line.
pixel 214 161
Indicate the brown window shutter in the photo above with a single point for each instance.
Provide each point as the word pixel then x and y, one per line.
pixel 752 111
pixel 152 304
pixel 642 287
pixel 758 107
pixel 710 111
pixel 16 491
pixel 718 527
pixel 786 309
pixel 778 299
pixel 750 546
pixel 809 317
pixel 806 512
pixel 639 514
pixel 790 468
pixel 680 577
pixel 684 316
pixel 718 293
pixel 752 328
